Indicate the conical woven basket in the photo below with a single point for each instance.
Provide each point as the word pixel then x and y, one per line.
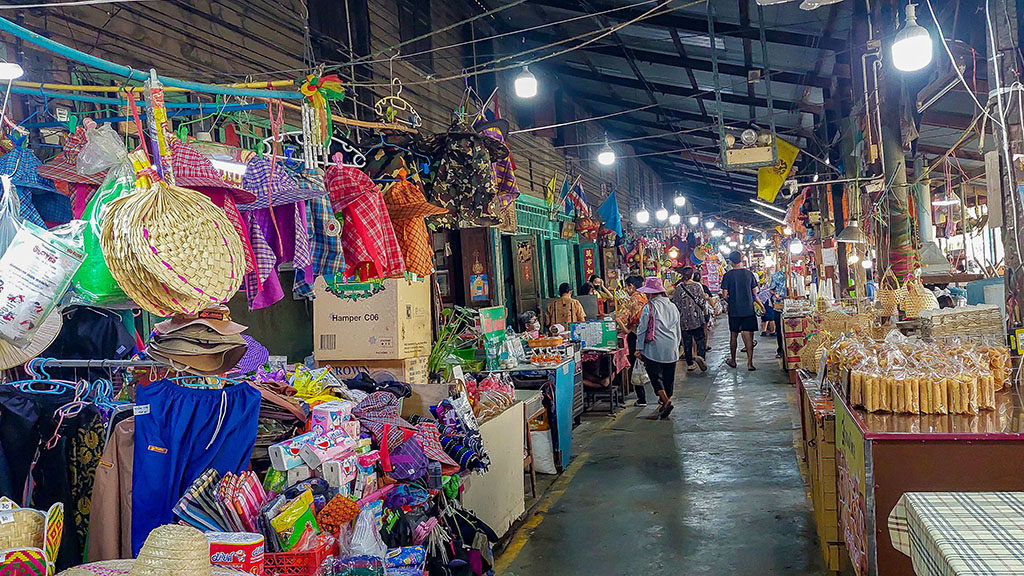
pixel 172 249
pixel 918 298
pixel 890 293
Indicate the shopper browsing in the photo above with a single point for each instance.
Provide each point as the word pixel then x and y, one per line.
pixel 658 341
pixel 627 317
pixel 565 310
pixel 739 288
pixel 689 300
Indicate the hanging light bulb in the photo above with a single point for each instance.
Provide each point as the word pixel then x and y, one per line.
pixel 853 259
pixel 732 243
pixel 673 252
pixel 717 233
pixel 661 214
pixel 674 219
pixel 709 224
pixel 679 200
pixel 769 261
pixel 606 157
pixel 796 247
pixel 526 84
pixel 866 264
pixel 10 71
pixel 787 231
pixel 912 48
pixel 724 249
pixel 694 220
pixel 643 216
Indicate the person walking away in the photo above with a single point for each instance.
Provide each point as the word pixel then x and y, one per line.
pixel 768 318
pixel 657 342
pixel 739 288
pixel 689 300
pixel 699 280
pixel 565 309
pixel 627 316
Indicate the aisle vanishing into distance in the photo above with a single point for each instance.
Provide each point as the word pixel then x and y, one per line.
pixel 716 491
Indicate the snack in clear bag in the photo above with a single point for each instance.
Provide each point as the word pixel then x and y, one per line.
pixel 35 272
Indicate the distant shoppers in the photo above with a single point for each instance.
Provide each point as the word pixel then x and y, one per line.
pixel 627 316
pixel 565 310
pixel 658 342
pixel 690 301
pixel 739 288
pixel 605 299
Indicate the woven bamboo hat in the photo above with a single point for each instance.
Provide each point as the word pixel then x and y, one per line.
pixel 171 249
pixel 169 550
pixel 24 530
pixel 11 355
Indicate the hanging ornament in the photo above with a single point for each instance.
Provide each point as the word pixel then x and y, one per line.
pixel 320 91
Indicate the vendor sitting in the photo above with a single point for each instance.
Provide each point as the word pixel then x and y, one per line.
pixel 565 310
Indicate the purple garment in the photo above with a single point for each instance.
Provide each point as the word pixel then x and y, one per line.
pixel 287 241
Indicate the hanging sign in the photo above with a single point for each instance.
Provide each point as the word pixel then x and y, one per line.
pixel 771 178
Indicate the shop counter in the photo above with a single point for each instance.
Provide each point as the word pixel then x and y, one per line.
pixel 559 384
pixel 497 497
pixel 818 427
pixel 954 533
pixel 881 456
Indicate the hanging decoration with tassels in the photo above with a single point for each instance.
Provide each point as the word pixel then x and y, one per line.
pixel 320 91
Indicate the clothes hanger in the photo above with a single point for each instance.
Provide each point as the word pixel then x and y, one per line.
pixel 389 107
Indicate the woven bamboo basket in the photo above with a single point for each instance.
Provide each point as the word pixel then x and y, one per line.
pixel 890 293
pixel 918 299
pixel 25 531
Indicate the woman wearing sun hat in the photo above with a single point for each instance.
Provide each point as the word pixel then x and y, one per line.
pixel 657 342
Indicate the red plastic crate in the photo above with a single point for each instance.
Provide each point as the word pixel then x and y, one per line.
pixel 306 563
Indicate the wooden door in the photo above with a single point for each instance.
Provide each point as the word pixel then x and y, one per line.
pixel 525 272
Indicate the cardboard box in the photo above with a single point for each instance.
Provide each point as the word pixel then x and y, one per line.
pixel 386 320
pixel 412 371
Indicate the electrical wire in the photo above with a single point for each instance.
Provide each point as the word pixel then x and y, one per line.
pixel 581 120
pixel 67 4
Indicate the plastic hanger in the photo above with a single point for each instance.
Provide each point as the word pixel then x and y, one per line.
pixel 389 107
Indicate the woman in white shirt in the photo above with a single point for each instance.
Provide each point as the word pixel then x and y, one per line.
pixel 657 342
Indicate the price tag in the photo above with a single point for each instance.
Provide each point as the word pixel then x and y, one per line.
pixel 6 505
pixel 6 517
pixel 457 373
pixel 141 410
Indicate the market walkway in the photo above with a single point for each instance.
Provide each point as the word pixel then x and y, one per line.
pixel 718 491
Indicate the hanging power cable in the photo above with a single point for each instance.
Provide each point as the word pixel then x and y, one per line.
pixel 68 4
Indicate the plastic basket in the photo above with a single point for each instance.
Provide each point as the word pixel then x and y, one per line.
pixel 307 563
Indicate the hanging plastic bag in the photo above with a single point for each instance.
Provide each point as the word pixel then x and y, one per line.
pixel 35 272
pixel 103 150
pixel 639 377
pixel 366 540
pixel 10 213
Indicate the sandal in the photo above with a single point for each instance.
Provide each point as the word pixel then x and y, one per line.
pixel 731 363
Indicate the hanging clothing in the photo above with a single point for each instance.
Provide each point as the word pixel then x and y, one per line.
pixel 408 209
pixel 328 257
pixel 110 536
pixel 367 234
pixel 186 432
pixel 463 181
pixel 286 234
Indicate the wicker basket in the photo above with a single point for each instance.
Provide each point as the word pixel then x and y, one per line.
pixel 918 299
pixel 25 530
pixel 890 293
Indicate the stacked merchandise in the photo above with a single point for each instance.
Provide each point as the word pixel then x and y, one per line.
pixel 978 322
pixel 912 377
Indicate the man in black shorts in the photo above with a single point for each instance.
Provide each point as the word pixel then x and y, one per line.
pixel 739 288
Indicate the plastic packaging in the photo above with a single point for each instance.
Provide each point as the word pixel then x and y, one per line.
pixel 35 272
pixel 295 520
pixel 366 540
pixel 93 282
pixel 103 150
pixel 10 213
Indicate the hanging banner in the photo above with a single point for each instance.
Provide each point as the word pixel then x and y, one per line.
pixel 589 261
pixel 771 178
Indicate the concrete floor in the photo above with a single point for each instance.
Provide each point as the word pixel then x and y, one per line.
pixel 716 491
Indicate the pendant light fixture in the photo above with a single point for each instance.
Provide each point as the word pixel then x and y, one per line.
pixel 796 247
pixel 643 216
pixel 606 157
pixel 526 84
pixel 674 219
pixel 10 71
pixel 679 200
pixel 912 48
pixel 709 224
pixel 717 233
pixel 694 220
pixel 852 234
pixel 866 264
pixel 661 214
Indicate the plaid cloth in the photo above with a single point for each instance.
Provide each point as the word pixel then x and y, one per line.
pixel 277 189
pixel 193 170
pixel 328 257
pixel 367 236
pixel 262 287
pixel 378 413
pixel 429 438
pixel 960 533
pixel 64 165
pixel 40 200
pixel 408 208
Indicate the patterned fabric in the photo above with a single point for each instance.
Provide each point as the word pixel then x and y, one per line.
pixel 957 533
pixel 273 187
pixel 257 291
pixel 328 257
pixel 63 166
pixel 627 311
pixel 378 413
pixel 226 203
pixel 408 208
pixel 367 236
pixel 462 179
pixel 689 299
pixel 87 447
pixel 40 200
pixel 25 562
pixel 193 170
pixel 429 438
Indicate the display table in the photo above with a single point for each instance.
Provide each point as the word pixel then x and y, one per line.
pixel 497 497
pixel 559 384
pixel 881 456
pixel 960 533
pixel 818 427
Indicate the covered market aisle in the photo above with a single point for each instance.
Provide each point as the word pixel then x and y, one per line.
pixel 717 491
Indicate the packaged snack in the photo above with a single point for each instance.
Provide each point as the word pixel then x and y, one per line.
pixel 330 416
pixel 330 445
pixel 296 519
pixel 286 455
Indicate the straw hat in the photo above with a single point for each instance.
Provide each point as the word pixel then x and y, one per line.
pixel 169 550
pixel 217 317
pixel 171 249
pixel 45 334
